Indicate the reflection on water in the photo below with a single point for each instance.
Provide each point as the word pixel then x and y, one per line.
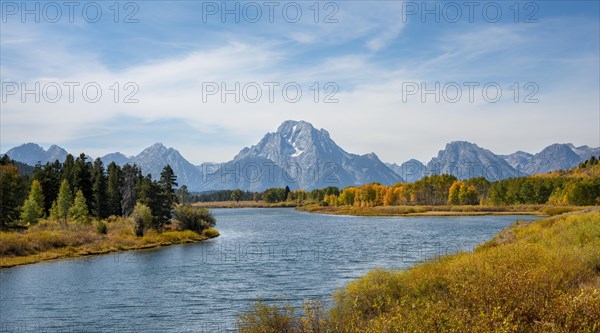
pixel 277 255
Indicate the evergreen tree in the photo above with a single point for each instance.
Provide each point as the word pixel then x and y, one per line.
pixel 146 192
pixel 82 174
pixel 64 201
pixel 33 208
pixel 183 195
pixel 68 171
pixel 79 210
pixel 49 177
pixel 167 198
pixel 54 214
pixel 13 192
pixel 151 194
pixel 100 206
pixel 115 180
pixel 128 188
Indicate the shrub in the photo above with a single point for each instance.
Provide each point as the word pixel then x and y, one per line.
pixel 101 228
pixel 193 218
pixel 112 219
pixel 211 233
pixel 551 211
pixel 142 217
pixel 268 319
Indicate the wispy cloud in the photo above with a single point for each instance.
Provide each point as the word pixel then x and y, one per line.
pixel 369 54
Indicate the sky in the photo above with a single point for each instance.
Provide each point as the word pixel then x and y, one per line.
pixel 400 79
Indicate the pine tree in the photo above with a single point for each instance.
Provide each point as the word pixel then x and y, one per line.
pixel 13 192
pixel 49 177
pixel 64 201
pixel 68 171
pixel 128 188
pixel 33 208
pixel 79 210
pixel 146 192
pixel 168 199
pixel 183 195
pixel 82 174
pixel 152 195
pixel 114 189
pixel 54 214
pixel 100 207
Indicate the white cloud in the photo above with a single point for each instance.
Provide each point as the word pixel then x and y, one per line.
pixel 370 116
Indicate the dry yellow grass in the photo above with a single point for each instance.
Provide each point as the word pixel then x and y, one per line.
pixel 542 276
pixel 244 204
pixel 445 210
pixel 48 240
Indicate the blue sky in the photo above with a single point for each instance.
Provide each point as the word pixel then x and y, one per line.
pixel 372 51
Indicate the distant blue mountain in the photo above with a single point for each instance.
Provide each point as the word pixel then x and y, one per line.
pixel 31 153
pixel 302 157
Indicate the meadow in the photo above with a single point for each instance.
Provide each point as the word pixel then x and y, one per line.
pixel 48 240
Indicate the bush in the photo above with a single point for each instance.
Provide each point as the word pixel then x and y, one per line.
pixel 193 218
pixel 551 211
pixel 142 217
pixel 211 233
pixel 268 319
pixel 112 219
pixel 101 228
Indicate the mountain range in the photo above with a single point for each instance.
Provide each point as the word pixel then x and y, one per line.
pixel 302 157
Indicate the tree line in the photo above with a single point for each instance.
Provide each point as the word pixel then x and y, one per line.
pixel 579 186
pixel 271 195
pixel 78 188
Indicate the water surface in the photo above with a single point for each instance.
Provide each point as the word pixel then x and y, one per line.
pixel 278 255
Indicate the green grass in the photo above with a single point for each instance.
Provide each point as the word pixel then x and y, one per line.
pixel 48 240
pixel 542 276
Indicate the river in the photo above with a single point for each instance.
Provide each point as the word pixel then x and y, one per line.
pixel 280 256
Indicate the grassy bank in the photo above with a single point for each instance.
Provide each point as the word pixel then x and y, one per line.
pixel 48 240
pixel 542 276
pixel 445 210
pixel 244 204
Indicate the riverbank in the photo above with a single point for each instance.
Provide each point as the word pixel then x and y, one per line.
pixel 447 210
pixel 245 204
pixel 541 276
pixel 425 210
pixel 48 241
